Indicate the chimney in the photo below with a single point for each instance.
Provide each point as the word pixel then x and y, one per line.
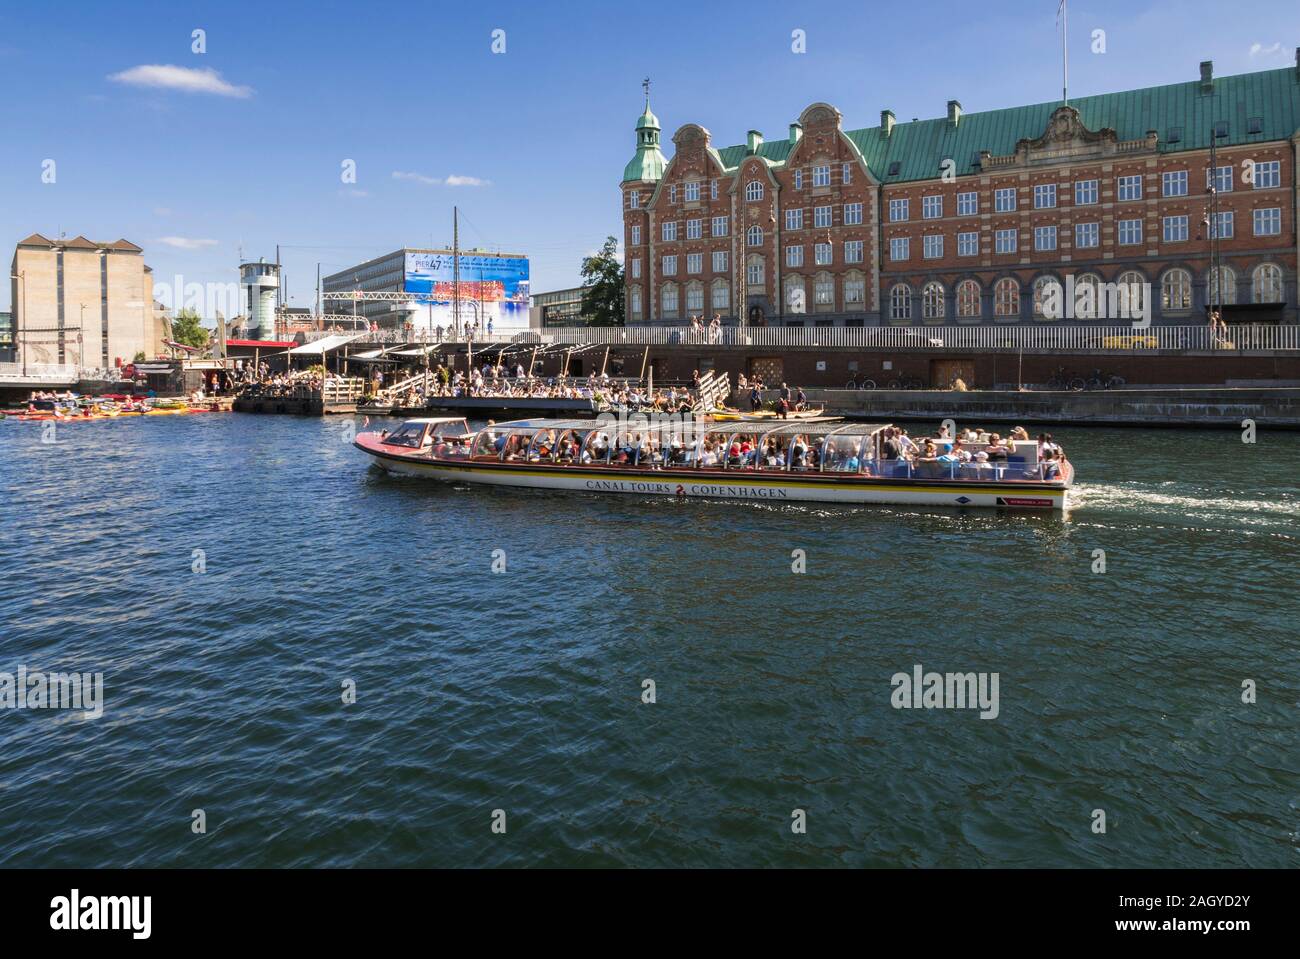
pixel 886 122
pixel 1297 64
pixel 754 139
pixel 1207 76
pixel 796 132
pixel 954 112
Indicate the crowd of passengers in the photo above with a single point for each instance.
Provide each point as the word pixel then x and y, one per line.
pixel 970 454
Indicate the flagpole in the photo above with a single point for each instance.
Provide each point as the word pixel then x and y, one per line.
pixel 1065 52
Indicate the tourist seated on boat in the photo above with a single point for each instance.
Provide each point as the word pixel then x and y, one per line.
pixel 996 449
pixel 1051 466
pixel 1019 433
pixel 709 454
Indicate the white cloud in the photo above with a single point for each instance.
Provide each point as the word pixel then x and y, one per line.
pixel 184 79
pixel 186 243
pixel 452 180
pixel 1259 50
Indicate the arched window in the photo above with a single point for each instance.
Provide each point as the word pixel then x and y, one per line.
pixel 1087 297
pixel 932 307
pixel 1132 289
pixel 855 290
pixel 721 296
pixel 795 296
pixel 754 236
pixel 824 292
pixel 900 302
pixel 1176 291
pixel 968 298
pixel 668 301
pixel 1266 284
pixel 1049 298
pixel 1006 297
pixel 695 297
pixel 754 272
pixel 754 190
pixel 1223 291
pixel 634 302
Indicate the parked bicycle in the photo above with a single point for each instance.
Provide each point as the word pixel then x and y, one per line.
pixel 905 383
pixel 1064 379
pixel 865 384
pixel 1104 381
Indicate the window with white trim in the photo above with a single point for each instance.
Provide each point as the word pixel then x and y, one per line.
pixel 852 251
pixel 794 219
pixel 670 265
pixel 824 291
pixel 672 193
pixel 852 214
pixel 719 261
pixel 695 297
pixel 634 200
pixel 1219 179
pixel 754 271
pixel 898 210
pixel 898 248
pixel 636 235
pixel 822 175
pixel 1004 241
pixel 713 189
pixel 754 191
pixel 931 207
pixel 968 204
pixel 846 173
pixel 821 216
pixel 1085 192
pixel 855 290
pixel 1268 221
pixel 1174 229
pixel 668 300
pixel 694 262
pixel 635 266
pixel 1004 199
pixel 1129 232
pixel 1222 228
pixel 794 256
pixel 1087 235
pixel 1044 238
pixel 798 179
pixel 668 231
pixel 1044 196
pixel 968 298
pixel 1268 173
pixel 1006 297
pixel 1173 183
pixel 1266 284
pixel 932 301
pixel 822 254
pixel 719 226
pixel 968 244
pixel 694 229
pixel 721 295
pixel 932 246
pixel 1176 291
pixel 1129 188
pixel 900 302
pixel 634 301
pixel 754 236
pixel 692 189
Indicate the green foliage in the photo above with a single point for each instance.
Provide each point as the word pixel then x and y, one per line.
pixel 602 281
pixel 188 328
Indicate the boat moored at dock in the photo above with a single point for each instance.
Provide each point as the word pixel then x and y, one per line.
pixel 826 461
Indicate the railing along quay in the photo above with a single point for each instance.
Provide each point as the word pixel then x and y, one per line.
pixel 1046 338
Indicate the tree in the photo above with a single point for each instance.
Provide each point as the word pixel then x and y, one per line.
pixel 602 286
pixel 188 328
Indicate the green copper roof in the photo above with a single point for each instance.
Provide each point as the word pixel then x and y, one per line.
pixel 647 120
pixel 648 164
pixel 1182 109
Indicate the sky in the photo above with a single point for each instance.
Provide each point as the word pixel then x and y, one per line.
pixel 204 158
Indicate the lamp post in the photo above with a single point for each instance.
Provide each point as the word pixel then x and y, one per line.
pixel 21 277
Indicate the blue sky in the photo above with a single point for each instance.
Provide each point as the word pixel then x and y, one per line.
pixel 537 135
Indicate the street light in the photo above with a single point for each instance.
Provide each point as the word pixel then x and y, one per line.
pixel 21 277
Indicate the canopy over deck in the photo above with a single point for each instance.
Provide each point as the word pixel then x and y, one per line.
pixel 326 344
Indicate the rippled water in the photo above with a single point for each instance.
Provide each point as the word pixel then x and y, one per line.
pixel 521 691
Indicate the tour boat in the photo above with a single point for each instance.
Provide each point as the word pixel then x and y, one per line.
pixel 828 461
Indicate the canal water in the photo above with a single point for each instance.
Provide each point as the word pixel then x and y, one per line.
pixel 235 577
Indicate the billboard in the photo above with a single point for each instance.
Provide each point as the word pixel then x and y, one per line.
pixel 493 289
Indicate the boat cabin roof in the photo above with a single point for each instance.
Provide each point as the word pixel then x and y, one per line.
pixel 821 427
pixel 435 419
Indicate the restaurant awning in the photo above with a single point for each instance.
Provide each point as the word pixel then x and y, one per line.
pixel 326 344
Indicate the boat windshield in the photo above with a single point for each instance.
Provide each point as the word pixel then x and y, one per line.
pixel 408 434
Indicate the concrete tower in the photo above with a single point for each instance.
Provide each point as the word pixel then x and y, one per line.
pixel 262 282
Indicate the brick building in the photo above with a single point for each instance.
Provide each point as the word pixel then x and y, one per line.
pixel 1043 213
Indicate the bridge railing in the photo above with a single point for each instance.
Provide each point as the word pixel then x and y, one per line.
pixel 39 372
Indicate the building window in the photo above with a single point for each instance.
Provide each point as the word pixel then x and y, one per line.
pixel 720 292
pixel 754 271
pixel 846 173
pixel 668 231
pixel 694 229
pixel 1044 238
pixel 670 265
pixel 1004 199
pixel 898 210
pixel 634 200
pixel 636 236
pixel 1174 183
pixel 1266 284
pixel 968 204
pixel 900 302
pixel 1221 288
pixel 822 254
pixel 1004 241
pixel 694 262
pixel 932 307
pixel 754 236
pixel 1219 180
pixel 1222 227
pixel 794 219
pixel 754 191
pixel 855 290
pixel 636 268
pixel 692 191
pixel 713 189
pixel 1268 222
pixel 824 292
pixel 794 256
pixel 968 298
pixel 634 302
pixel 1006 297
pixel 795 301
pixel 931 207
pixel 852 214
pixel 672 193
pixel 1174 229
pixel 968 244
pixel 852 251
pixel 898 248
pixel 1087 235
pixel 1044 196
pixel 1130 232
pixel 1268 173
pixel 695 297
pixel 932 246
pixel 821 216
pixel 1132 291
pixel 822 175
pixel 668 301
pixel 1085 192
pixel 798 179
pixel 1176 291
pixel 1045 288
pixel 719 261
pixel 719 226
pixel 1130 188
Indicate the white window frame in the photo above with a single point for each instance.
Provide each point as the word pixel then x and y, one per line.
pixel 794 256
pixel 932 246
pixel 719 221
pixel 1044 196
pixel 1128 232
pixel 1087 236
pixel 899 209
pixel 694 228
pixel 754 191
pixel 822 217
pixel 1086 192
pixel 821 175
pixel 794 219
pixel 1173 229
pixel 1128 188
pixel 823 254
pixel 968 204
pixel 853 214
pixel 1004 199
pixel 1042 236
pixel 968 244
pixel 899 244
pixel 1012 244
pixel 932 206
pixel 1173 183
pixel 1272 216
